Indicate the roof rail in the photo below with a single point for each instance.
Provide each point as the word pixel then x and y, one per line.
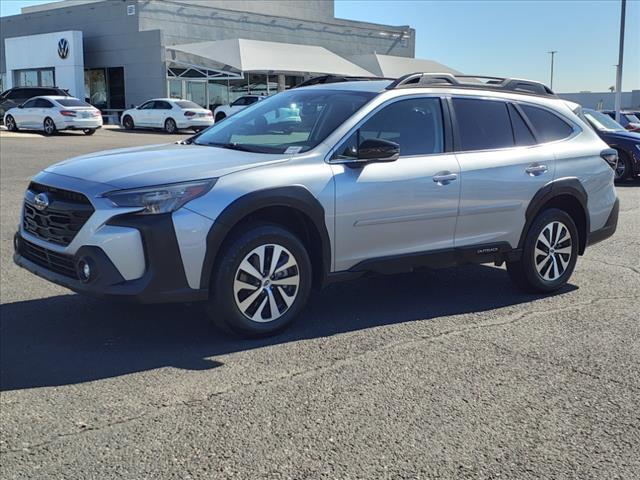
pixel 477 82
pixel 337 79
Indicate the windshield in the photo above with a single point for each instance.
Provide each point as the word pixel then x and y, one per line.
pixel 631 118
pixel 72 102
pixel 187 104
pixel 290 122
pixel 602 121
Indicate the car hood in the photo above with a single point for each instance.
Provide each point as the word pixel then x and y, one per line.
pixel 621 136
pixel 159 164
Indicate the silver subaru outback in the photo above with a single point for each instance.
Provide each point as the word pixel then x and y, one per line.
pixel 328 183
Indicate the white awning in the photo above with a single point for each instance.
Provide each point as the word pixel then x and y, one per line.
pixel 393 67
pixel 243 55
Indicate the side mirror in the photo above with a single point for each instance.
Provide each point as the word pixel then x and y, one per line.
pixel 378 150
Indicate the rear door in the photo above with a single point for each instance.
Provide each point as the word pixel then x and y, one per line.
pixel 502 167
pixel 408 206
pixel 161 111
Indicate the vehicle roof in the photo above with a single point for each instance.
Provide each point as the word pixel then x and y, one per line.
pixel 376 86
pixel 56 97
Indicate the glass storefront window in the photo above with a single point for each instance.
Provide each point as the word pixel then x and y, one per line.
pixel 95 87
pixel 46 78
pixel 218 94
pixel 175 88
pixel 196 92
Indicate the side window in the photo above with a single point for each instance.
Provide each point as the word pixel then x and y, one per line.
pixel 31 103
pixel 162 106
pixel 148 105
pixel 239 102
pixel 42 103
pixel 16 94
pixel 250 100
pixel 521 133
pixel 549 127
pixel 483 124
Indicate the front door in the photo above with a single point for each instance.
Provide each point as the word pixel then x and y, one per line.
pixel 402 207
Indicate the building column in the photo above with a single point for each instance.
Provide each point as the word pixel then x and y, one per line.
pixel 281 82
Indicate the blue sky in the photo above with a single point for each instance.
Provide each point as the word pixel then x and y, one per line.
pixel 506 38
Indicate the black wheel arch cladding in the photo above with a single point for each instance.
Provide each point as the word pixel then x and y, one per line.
pixel 297 198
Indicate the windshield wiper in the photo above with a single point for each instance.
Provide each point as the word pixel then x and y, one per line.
pixel 231 146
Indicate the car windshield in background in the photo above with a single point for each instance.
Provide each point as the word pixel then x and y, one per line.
pixel 602 121
pixel 187 104
pixel 72 102
pixel 631 118
pixel 290 122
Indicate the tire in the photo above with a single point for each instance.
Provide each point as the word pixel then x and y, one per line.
pixel 11 124
pixel 543 269
pixel 127 122
pixel 49 127
pixel 219 117
pixel 170 126
pixel 248 312
pixel 89 131
pixel 624 170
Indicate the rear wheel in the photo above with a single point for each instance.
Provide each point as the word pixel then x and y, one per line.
pixel 11 124
pixel 623 169
pixel 549 254
pixel 89 131
pixel 49 127
pixel 127 121
pixel 261 282
pixel 170 126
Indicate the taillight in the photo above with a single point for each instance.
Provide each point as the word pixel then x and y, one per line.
pixel 67 113
pixel 189 114
pixel 610 156
pixel 209 113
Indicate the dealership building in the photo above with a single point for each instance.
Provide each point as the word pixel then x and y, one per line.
pixel 118 53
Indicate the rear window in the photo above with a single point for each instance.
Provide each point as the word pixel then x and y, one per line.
pixel 549 127
pixel 72 102
pixel 483 124
pixel 187 104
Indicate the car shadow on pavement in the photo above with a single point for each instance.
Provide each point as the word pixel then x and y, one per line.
pixel 71 339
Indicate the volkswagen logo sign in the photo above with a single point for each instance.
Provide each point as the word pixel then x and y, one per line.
pixel 63 48
pixel 41 201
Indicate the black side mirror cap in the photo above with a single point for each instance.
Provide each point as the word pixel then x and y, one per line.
pixel 378 150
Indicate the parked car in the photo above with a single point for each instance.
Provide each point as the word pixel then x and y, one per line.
pixel 18 95
pixel 224 111
pixel 627 119
pixel 51 114
pixel 250 214
pixel 169 114
pixel 626 143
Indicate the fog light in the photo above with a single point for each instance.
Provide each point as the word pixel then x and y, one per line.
pixel 85 270
pixel 16 242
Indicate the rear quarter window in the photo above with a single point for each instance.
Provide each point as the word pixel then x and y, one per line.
pixel 549 126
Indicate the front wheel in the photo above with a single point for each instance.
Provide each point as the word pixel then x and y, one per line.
pixel 261 282
pixel 49 127
pixel 127 122
pixel 89 131
pixel 549 255
pixel 170 126
pixel 11 124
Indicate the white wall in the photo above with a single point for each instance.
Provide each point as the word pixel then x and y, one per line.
pixel 41 51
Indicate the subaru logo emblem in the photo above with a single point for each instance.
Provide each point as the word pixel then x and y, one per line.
pixel 63 48
pixel 41 201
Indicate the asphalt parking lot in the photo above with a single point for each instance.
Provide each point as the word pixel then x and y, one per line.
pixel 442 374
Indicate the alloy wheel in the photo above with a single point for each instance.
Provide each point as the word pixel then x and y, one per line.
pixel 49 126
pixel 553 251
pixel 170 126
pixel 11 124
pixel 621 169
pixel 266 283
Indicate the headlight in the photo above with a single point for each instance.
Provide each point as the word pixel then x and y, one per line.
pixel 161 198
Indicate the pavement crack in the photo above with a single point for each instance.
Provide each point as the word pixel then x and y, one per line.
pixel 613 264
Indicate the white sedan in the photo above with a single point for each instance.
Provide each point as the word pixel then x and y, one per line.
pixel 224 111
pixel 169 114
pixel 53 113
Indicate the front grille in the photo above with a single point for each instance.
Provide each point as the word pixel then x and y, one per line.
pixel 56 262
pixel 61 220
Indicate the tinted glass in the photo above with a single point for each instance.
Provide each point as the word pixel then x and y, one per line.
pixel 147 106
pixel 187 104
pixel 162 106
pixel 414 124
pixel 72 102
pixel 42 103
pixel 521 133
pixel 17 94
pixel 291 122
pixel 30 104
pixel 239 102
pixel 483 124
pixel 250 100
pixel 549 127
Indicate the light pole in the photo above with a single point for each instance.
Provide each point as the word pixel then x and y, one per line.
pixel 619 66
pixel 553 54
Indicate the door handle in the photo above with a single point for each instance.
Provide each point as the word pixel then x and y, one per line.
pixel 535 170
pixel 445 178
